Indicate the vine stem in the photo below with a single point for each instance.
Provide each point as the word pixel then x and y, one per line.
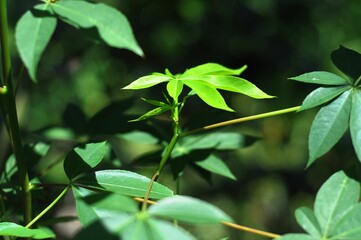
pixel 51 205
pixel 9 113
pixel 228 224
pixel 243 119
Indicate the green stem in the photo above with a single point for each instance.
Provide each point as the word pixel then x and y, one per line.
pixel 9 113
pixel 51 205
pixel 243 119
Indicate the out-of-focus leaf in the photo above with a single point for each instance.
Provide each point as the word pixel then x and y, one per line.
pixel 188 210
pixel 307 220
pixel 75 118
pixel 355 122
pixel 334 198
pixel 329 125
pixel 212 69
pixel 214 140
pixel 162 230
pixel 32 34
pixel 112 25
pixel 123 182
pixel 139 137
pixel 93 206
pixel 148 81
pixel 215 165
pixel 321 77
pixel 348 61
pixel 84 158
pixel 297 236
pixel 96 230
pixel 322 95
pixel 15 230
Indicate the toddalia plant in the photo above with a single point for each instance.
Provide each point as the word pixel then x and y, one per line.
pixel 106 199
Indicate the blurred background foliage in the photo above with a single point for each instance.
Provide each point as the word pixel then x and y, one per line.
pixel 277 39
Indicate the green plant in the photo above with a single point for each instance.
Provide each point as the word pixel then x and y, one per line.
pixel 106 198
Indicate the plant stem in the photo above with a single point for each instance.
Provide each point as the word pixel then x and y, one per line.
pixel 56 200
pixel 251 230
pixel 9 113
pixel 243 119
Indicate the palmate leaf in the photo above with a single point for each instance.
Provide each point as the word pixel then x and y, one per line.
pixel 204 80
pixel 329 125
pixel 321 77
pixel 215 165
pixel 113 27
pixel 337 213
pixel 32 34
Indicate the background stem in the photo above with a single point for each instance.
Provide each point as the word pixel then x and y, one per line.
pixel 9 113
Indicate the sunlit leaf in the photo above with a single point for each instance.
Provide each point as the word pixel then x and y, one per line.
pixel 230 83
pixel 215 165
pixel 15 230
pixel 307 220
pixel 320 77
pixel 32 34
pixel 212 69
pixel 148 81
pixel 329 125
pixel 334 198
pixel 188 210
pixel 174 88
pixel 322 95
pixel 123 182
pixel 355 122
pixel 112 25
pixel 208 94
pixel 348 61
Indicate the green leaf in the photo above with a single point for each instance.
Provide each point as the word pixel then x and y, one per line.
pixel 215 165
pixel 92 206
pixel 307 220
pixel 355 122
pixel 83 159
pixel 188 210
pixel 112 25
pixel 162 230
pixel 15 230
pixel 335 197
pixel 320 77
pixel 32 34
pixel 208 94
pixel 322 95
pixel 329 125
pixel 230 83
pixel 348 61
pixel 138 136
pixel 148 81
pixel 123 182
pixel 155 102
pixel 349 227
pixel 214 140
pixel 174 88
pixel 212 69
pixel 297 236
pixel 152 113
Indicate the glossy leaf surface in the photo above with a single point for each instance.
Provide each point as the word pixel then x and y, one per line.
pixel 15 230
pixel 321 77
